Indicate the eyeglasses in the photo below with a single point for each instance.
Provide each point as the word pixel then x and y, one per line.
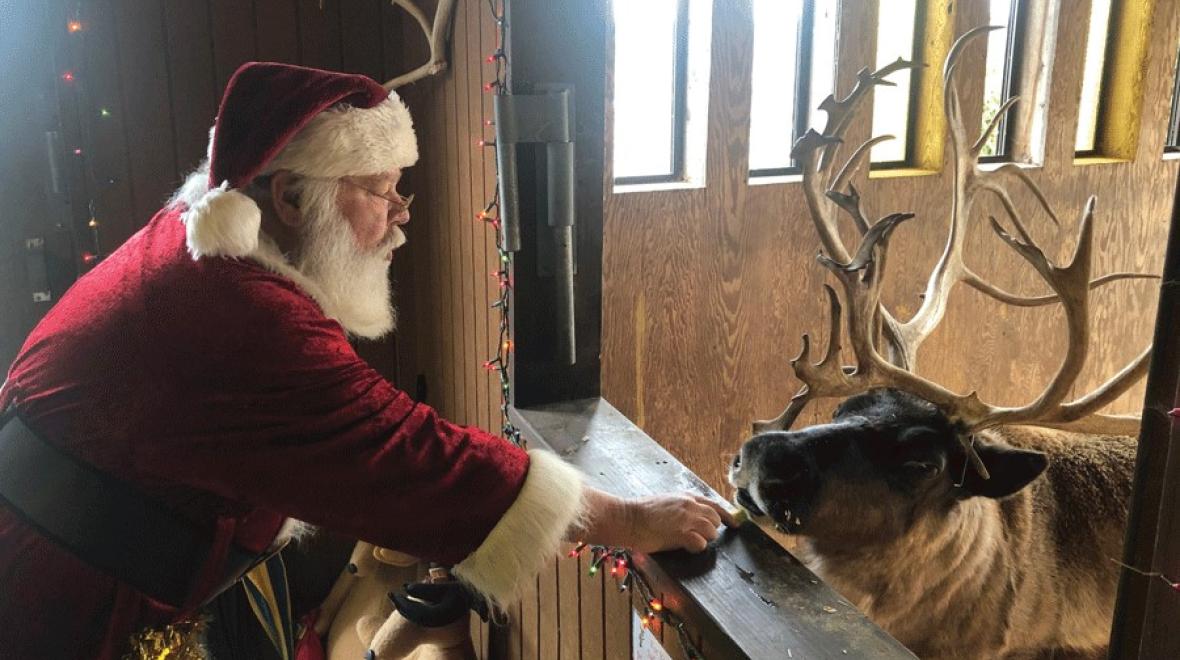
pixel 397 203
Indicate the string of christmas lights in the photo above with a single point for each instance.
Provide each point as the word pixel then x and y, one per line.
pixel 655 614
pixel 1174 585
pixel 490 215
pixel 76 30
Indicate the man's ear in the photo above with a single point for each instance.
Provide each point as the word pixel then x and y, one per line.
pixel 1010 468
pixel 284 198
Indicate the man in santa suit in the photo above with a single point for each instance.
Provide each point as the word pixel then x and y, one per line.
pixel 196 393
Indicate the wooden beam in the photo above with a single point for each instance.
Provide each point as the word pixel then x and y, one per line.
pixel 745 596
pixel 1147 609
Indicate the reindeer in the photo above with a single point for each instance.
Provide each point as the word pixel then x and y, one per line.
pixel 963 529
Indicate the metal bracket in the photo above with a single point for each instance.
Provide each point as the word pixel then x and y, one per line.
pixel 542 118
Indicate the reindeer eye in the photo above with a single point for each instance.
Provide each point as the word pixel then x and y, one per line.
pixel 921 469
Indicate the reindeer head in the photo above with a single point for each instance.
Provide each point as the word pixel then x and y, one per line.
pixel 886 460
pixel 902 446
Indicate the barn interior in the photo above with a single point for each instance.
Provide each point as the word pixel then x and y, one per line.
pixel 618 207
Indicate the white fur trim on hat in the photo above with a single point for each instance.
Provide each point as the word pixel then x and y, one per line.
pixel 530 532
pixel 222 223
pixel 349 141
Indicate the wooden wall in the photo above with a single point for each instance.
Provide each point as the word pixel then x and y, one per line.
pixel 706 291
pixel 160 67
pixel 446 328
pixel 443 280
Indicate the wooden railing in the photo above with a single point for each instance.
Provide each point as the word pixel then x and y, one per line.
pixel 745 597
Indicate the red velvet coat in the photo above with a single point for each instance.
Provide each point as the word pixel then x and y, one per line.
pixel 220 388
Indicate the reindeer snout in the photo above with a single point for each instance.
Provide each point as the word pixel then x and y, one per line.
pixel 782 468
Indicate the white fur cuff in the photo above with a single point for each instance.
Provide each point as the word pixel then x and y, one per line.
pixel 529 534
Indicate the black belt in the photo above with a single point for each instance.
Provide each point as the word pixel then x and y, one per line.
pixel 105 522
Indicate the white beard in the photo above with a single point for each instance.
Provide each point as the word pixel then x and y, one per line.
pixel 354 281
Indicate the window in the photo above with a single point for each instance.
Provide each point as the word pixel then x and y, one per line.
pixel 1001 74
pixel 1019 64
pixel 650 74
pixel 1172 144
pixel 794 69
pixel 897 36
pixel 1086 142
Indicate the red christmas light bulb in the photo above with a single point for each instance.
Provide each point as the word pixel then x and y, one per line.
pixel 77 151
pixel 89 258
pixel 489 86
pixel 68 76
pixel 74 26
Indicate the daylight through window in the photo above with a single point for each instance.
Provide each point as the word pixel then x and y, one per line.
pixel 892 111
pixel 1000 75
pixel 650 89
pixel 1095 63
pixel 1173 142
pixel 794 69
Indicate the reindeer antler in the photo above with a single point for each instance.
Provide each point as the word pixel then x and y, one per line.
pixel 860 276
pixel 437 33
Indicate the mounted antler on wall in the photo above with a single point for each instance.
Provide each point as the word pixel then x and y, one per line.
pixel 438 33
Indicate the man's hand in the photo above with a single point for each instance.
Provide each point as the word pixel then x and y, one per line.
pixel 653 523
pixel 669 522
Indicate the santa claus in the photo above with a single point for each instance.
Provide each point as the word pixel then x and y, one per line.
pixel 196 393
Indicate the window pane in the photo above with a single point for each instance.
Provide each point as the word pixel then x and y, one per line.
pixel 995 87
pixel 1173 140
pixel 775 75
pixel 645 87
pixel 823 59
pixel 781 96
pixel 891 105
pixel 1092 75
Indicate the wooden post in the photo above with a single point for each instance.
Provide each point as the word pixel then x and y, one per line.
pixel 1146 608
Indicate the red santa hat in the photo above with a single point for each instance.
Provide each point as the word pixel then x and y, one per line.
pixel 285 117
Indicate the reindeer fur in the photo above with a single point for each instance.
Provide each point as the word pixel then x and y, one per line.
pixel 1001 578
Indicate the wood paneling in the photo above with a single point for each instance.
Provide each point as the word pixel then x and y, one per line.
pixel 25 190
pixel 707 291
pixel 160 67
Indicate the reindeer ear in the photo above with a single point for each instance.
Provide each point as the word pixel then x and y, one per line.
pixel 1010 468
